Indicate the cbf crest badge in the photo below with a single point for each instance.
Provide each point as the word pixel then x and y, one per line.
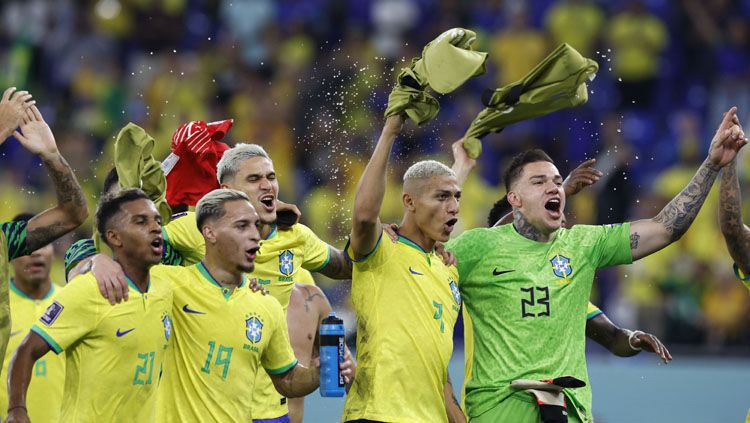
pixel 561 266
pixel 254 329
pixel 167 322
pixel 456 293
pixel 286 263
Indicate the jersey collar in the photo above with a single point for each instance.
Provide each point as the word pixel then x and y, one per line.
pixel 406 241
pixel 22 294
pixel 134 286
pixel 226 291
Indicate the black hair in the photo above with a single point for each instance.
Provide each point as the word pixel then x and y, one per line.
pixel 111 204
pixel 110 180
pixel 22 217
pixel 499 209
pixel 515 168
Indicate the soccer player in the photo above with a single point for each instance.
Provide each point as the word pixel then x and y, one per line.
pixel 224 332
pixel 736 234
pixel 406 299
pixel 308 306
pixel 31 292
pixel 526 285
pixel 17 239
pixel 113 353
pixel 283 253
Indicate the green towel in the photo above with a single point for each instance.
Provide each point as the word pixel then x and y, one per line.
pixel 137 168
pixel 446 63
pixel 557 82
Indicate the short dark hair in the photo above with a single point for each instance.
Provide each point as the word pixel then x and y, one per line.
pixel 110 180
pixel 22 217
pixel 211 206
pixel 499 209
pixel 110 205
pixel 515 168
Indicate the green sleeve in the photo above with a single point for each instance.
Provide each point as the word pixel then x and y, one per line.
pixel 608 245
pixel 15 234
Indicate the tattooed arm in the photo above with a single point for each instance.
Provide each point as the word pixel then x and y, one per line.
pixel 71 210
pixel 651 235
pixel 338 267
pixel 736 234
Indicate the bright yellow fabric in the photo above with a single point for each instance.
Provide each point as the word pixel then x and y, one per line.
pixel 407 302
pixel 223 337
pixel 113 353
pixel 44 397
pixel 277 267
pixel 516 53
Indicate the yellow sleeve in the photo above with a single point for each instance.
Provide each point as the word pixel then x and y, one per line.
pixel 305 277
pixel 592 311
pixel 278 358
pixel 74 313
pixel 183 235
pixel 380 254
pixel 316 252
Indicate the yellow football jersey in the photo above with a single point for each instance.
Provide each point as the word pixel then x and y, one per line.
pixel 12 245
pixel 592 311
pixel 222 338
pixel 113 353
pixel 407 302
pixel 280 263
pixel 44 397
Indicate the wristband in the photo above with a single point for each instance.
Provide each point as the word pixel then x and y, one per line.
pixel 630 339
pixel 18 406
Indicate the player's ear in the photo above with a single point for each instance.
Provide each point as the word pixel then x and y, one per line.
pixel 514 199
pixel 113 238
pixel 208 233
pixel 408 201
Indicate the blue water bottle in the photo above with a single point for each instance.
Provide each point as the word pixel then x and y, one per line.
pixel 331 354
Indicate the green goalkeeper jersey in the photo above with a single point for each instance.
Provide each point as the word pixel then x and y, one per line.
pixel 526 304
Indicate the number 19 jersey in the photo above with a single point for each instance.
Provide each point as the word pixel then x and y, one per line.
pixel 527 305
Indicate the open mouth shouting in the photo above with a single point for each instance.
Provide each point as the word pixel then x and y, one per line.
pixel 269 202
pixel 250 253
pixel 157 245
pixel 553 206
pixel 450 224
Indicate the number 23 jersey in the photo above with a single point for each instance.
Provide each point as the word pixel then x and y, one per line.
pixel 527 304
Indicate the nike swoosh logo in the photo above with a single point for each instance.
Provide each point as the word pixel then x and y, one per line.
pixel 15 333
pixel 191 311
pixel 495 272
pixel 123 333
pixel 414 272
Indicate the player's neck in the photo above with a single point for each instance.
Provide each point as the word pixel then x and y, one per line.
pixel 529 231
pixel 223 274
pixel 409 229
pixel 265 229
pixel 33 290
pixel 135 270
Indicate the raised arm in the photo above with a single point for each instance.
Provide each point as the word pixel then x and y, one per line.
pixel 13 106
pixel 31 349
pixel 651 235
pixel 71 210
pixel 736 234
pixel 462 163
pixel 338 267
pixel 368 199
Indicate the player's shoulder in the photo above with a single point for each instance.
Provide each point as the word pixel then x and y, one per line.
pixel 266 303
pixel 298 231
pixel 480 235
pixel 163 274
pixel 82 287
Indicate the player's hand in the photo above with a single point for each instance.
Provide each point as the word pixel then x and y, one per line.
pixel 391 229
pixel 581 177
pixel 348 369
pixel 111 279
pixel 287 215
pixel 449 259
pixel 18 415
pixel 13 106
pixel 650 343
pixel 462 163
pixel 35 134
pixel 727 141
pixel 257 287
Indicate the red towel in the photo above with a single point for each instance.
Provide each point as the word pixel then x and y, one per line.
pixel 191 168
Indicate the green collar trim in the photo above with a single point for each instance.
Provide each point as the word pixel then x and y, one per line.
pixel 273 233
pixel 406 241
pixel 226 291
pixel 134 286
pixel 23 295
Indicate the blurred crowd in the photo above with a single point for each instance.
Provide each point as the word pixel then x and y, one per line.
pixel 309 80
